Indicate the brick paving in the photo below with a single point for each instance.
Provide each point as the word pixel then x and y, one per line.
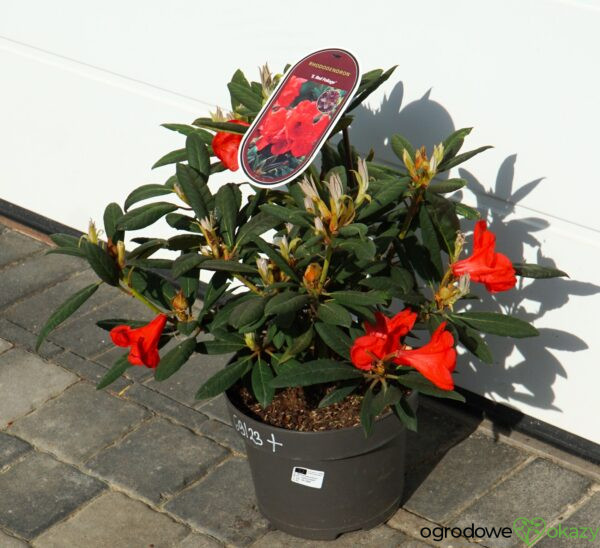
pixel 142 464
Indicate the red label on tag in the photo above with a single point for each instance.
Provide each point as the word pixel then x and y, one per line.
pixel 303 110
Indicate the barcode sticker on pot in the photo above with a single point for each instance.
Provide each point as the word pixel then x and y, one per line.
pixel 308 477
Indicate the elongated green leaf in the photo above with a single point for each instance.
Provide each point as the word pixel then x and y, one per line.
pixel 390 194
pixel 496 324
pixel 197 154
pixel 192 186
pixel 186 130
pixel 228 201
pixel 102 263
pixel 245 96
pixel 73 251
pixel 228 266
pixel 334 338
pixel 186 262
pixel 262 375
pixel 430 241
pixel 332 313
pixel 314 372
pixel 337 395
pixel 118 368
pixel 219 347
pixel 65 240
pixel 257 225
pixel 529 270
pixel 387 396
pixel 301 343
pixel 111 323
pixel 179 155
pixel 400 144
pixel 185 242
pixel 174 359
pixel 275 257
pixel 473 342
pixel 286 303
pixel 144 192
pixel 64 311
pixel 450 185
pixel 214 290
pixel 467 212
pixel 406 414
pixel 144 216
pixel 367 413
pixel 248 312
pixel 368 86
pixel 359 298
pixel 224 379
pixel 417 382
pixel 453 143
pixel 287 215
pixel 112 213
pixel 446 165
pixel 146 249
pixel 226 127
pixel 182 222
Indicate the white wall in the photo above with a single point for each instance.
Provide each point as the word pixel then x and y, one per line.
pixel 86 85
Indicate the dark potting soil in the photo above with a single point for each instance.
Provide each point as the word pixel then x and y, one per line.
pixel 297 409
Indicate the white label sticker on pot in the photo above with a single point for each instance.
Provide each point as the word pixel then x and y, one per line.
pixel 308 477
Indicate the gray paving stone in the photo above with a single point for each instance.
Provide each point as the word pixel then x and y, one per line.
pixel 15 246
pixel 382 537
pixel 88 370
pixel 11 448
pixel 196 540
pixel 26 339
pixel 436 498
pixel 114 520
pixel 4 345
pixel 79 423
pixel 437 433
pixel 223 505
pixel 27 381
pixel 586 516
pixel 541 489
pixel 165 406
pixel 6 541
pixel 216 409
pixel 414 543
pixel 158 459
pixel 39 491
pixel 225 435
pixel 39 271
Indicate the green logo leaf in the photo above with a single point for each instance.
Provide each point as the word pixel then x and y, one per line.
pixel 529 530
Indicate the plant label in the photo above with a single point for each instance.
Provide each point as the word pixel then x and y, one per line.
pixel 300 115
pixel 308 477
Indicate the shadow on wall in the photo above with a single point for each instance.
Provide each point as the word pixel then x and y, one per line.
pixel 427 122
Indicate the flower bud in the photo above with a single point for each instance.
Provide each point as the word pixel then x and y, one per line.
pixel 121 254
pixel 312 275
pixel 179 305
pixel 250 340
pixel 92 235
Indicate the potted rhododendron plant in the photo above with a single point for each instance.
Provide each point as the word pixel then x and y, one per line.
pixel 322 292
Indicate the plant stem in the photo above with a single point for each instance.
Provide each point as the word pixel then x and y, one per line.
pixel 410 215
pixel 248 284
pixel 131 291
pixel 325 266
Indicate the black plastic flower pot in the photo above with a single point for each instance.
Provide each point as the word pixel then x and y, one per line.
pixel 318 485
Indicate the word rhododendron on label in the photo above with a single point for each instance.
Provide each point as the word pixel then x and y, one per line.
pixel 304 278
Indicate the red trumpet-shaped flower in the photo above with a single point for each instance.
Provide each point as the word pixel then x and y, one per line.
pixel 435 361
pixel 225 146
pixel 495 270
pixel 143 341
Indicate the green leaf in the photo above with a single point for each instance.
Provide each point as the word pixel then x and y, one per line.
pixel 417 382
pixel 182 222
pixel 473 342
pixel 111 323
pixel 301 343
pixel 467 212
pixel 287 215
pixel 144 216
pixel 529 270
pixel 262 375
pixel 363 250
pixel 215 289
pixel 185 263
pixel 112 213
pixel 224 379
pixel 228 201
pixel 197 154
pixel 390 194
pixel 368 86
pixel 286 303
pixel 430 241
pixel 74 251
pixel 335 338
pixel 118 368
pixel 245 96
pixel 275 257
pixel 450 185
pixel 454 142
pixel 64 311
pixel 332 313
pixel 102 263
pixel 496 324
pixel 228 266
pixel 359 298
pixel 314 372
pixel 192 184
pixel 185 242
pixel 337 395
pixel 367 414
pixel 387 396
pixel 179 155
pixel 186 130
pixel 219 347
pixel 248 312
pixel 226 127
pixel 144 192
pixel 146 249
pixel 400 144
pixel 65 240
pixel 406 414
pixel 257 225
pixel 446 165
pixel 174 359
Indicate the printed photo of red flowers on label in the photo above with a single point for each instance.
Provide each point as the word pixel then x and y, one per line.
pixel 298 118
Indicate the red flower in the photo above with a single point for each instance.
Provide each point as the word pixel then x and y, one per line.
pixel 381 339
pixel 225 146
pixel 435 361
pixel 143 341
pixel 485 265
pixel 290 91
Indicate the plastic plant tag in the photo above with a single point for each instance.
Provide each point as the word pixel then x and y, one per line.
pixel 299 116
